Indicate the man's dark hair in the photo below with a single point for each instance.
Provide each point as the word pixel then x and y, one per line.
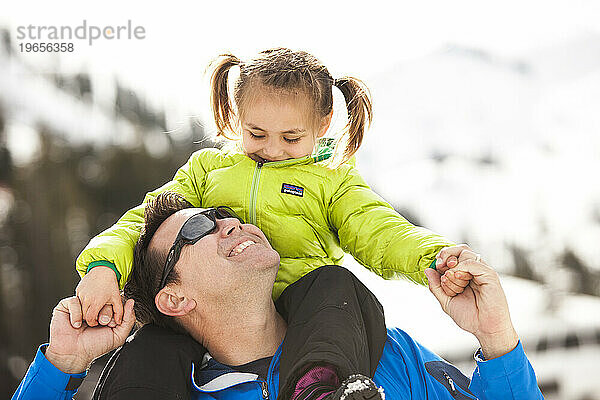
pixel 148 264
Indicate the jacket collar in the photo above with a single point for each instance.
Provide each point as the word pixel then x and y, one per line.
pixel 212 376
pixel 323 151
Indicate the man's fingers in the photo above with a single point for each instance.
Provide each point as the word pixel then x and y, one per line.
pixel 117 306
pixel 74 309
pixel 435 285
pixel 105 315
pixel 62 306
pixel 447 291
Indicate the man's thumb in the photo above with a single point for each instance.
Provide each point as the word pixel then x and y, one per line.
pixel 435 284
pixel 124 328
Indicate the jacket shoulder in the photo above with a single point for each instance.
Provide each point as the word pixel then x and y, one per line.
pixel 211 158
pixel 336 177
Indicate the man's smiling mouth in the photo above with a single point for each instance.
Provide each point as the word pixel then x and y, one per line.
pixel 241 247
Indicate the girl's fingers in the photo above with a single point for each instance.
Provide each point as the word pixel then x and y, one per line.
pixel 448 284
pixel 91 315
pixel 451 261
pixel 444 254
pixel 462 275
pixel 441 268
pixel 469 255
pixel 452 251
pixel 456 278
pixel 117 308
pixel 121 331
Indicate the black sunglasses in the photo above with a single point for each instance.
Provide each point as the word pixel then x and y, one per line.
pixel 195 228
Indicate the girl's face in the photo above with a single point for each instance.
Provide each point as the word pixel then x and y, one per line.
pixel 278 127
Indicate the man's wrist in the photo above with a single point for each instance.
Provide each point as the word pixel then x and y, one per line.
pixel 498 344
pixel 68 364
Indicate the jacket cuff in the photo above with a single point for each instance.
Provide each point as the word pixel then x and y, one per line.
pixel 52 377
pixel 432 265
pixel 501 366
pixel 104 263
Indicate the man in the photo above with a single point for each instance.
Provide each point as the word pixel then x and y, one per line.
pixel 220 294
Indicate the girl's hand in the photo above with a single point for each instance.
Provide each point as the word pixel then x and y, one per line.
pixel 454 283
pixel 98 292
pixel 448 258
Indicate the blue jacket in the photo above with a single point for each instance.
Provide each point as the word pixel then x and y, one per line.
pixel 407 370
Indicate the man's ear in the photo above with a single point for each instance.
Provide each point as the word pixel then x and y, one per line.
pixel 173 302
pixel 325 122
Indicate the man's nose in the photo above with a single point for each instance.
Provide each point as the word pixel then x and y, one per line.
pixel 228 226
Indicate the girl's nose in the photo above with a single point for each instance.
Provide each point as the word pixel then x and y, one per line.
pixel 273 152
pixel 273 149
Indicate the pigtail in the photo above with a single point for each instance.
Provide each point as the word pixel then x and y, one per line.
pixel 220 101
pixel 360 112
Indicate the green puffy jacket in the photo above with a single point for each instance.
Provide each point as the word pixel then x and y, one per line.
pixel 311 214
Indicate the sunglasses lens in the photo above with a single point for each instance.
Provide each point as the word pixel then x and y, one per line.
pixel 197 226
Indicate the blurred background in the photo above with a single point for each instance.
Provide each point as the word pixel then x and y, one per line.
pixel 486 130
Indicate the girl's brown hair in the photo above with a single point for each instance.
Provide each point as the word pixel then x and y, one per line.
pixel 285 70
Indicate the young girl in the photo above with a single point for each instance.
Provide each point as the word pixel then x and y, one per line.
pixel 298 187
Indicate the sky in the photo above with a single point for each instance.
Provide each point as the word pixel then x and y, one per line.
pixel 355 38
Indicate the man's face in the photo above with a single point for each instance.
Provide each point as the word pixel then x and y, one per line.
pixel 229 259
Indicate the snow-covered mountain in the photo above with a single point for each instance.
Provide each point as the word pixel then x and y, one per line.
pixel 497 152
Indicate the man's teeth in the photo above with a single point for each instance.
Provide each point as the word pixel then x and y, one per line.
pixel 240 247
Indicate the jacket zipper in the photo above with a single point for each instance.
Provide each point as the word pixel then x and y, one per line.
pixel 256 180
pixel 254 193
pixel 265 390
pixel 451 382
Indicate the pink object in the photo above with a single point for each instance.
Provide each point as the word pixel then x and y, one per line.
pixel 320 377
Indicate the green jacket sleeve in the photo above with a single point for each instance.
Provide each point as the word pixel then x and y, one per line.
pixel 377 236
pixel 115 245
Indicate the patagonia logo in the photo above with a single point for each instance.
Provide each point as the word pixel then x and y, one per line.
pixel 291 189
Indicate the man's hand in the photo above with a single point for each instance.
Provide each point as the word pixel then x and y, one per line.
pixel 480 309
pixel 99 294
pixel 73 349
